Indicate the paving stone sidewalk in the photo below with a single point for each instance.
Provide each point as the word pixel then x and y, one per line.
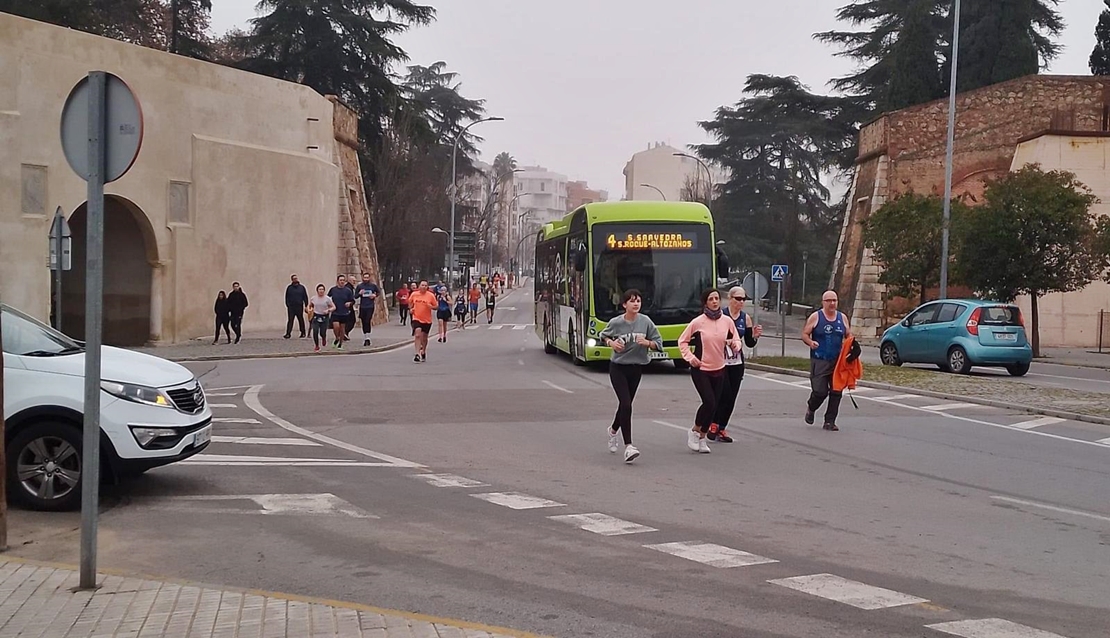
pixel 37 601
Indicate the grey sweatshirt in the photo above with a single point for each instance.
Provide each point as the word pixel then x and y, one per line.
pixel 622 329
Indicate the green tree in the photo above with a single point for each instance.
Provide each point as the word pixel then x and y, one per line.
pixel 188 28
pixel 777 144
pixel 436 95
pixel 135 21
pixel 1100 57
pixel 1005 39
pixel 1034 235
pixel 504 164
pixel 905 236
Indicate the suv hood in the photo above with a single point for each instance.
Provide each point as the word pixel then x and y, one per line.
pixel 116 364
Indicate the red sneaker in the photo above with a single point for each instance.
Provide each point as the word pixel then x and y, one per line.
pixel 712 434
pixel 723 437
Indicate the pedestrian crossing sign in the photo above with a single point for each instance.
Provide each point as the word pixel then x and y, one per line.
pixel 778 272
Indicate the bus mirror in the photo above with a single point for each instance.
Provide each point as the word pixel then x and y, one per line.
pixel 580 259
pixel 722 264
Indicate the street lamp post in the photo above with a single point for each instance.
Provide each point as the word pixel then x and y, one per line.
pixel 656 189
pixel 519 254
pixel 454 185
pixel 949 151
pixel 438 230
pixel 708 174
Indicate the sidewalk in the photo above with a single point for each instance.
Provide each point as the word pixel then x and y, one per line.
pixel 36 601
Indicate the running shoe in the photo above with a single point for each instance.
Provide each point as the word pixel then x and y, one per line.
pixel 693 440
pixel 712 434
pixel 809 417
pixel 631 453
pixel 423 357
pixel 317 349
pixel 831 427
pixel 365 342
pixel 723 437
pixel 416 358
pixel 703 446
pixel 614 442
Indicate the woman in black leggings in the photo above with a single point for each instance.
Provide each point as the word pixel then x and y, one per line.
pixel 714 340
pixel 633 337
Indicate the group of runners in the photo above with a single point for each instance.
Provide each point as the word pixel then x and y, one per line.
pixel 713 345
pixel 421 305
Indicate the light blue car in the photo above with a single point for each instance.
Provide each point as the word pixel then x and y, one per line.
pixel 956 334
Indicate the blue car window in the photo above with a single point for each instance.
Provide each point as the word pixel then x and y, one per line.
pixel 949 312
pixel 924 315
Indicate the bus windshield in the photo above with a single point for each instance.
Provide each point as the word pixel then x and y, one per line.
pixel 670 264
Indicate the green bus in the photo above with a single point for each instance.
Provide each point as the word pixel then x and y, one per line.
pixel 585 261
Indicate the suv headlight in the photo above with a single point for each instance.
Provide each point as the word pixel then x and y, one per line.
pixel 137 393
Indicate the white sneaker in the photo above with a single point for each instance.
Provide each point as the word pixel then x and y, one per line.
pixel 703 446
pixel 692 440
pixel 614 442
pixel 631 453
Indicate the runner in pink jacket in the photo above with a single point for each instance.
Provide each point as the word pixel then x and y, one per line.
pixel 705 344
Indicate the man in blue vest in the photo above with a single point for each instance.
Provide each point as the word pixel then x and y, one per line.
pixel 824 333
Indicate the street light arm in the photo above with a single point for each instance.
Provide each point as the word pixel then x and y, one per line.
pixel 708 173
pixel 454 186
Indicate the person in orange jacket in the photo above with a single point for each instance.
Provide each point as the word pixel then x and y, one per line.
pixel 825 332
pixel 848 370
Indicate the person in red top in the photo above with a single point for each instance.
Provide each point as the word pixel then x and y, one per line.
pixel 474 297
pixel 423 304
pixel 403 302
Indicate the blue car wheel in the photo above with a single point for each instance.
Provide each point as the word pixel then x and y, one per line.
pixel 888 354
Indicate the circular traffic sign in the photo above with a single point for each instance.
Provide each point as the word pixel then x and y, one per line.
pixel 123 130
pixel 755 285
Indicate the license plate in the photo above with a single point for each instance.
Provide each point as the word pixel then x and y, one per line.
pixel 659 355
pixel 1005 336
pixel 203 436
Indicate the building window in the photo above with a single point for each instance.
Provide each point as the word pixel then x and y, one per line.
pixel 543 186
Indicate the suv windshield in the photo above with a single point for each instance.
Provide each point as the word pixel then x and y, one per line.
pixel 26 336
pixel 670 264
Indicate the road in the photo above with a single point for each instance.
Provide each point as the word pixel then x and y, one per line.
pixel 377 480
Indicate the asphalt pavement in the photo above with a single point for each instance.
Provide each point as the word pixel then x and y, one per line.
pixel 478 486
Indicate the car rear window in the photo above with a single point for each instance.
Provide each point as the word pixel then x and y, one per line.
pixel 1000 316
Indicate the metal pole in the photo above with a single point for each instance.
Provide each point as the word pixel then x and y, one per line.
pixel 782 325
pixel 949 151
pixel 805 262
pixel 94 295
pixel 656 189
pixel 59 241
pixel 755 312
pixel 454 196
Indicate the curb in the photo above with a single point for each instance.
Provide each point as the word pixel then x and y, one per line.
pixel 1060 414
pixel 398 613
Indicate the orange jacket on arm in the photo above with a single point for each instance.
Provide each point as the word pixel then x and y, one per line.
pixel 847 373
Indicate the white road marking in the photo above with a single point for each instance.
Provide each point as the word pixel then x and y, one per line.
pixel 672 425
pixel 517 501
pixel 862 389
pixel 1036 423
pixel 1052 508
pixel 895 397
pixel 603 524
pixel 226 387
pixel 968 420
pixel 1103 441
pixel 951 406
pixel 235 419
pixel 1056 376
pixel 506 308
pixel 520 361
pixel 990 628
pixel 215 406
pixel 260 440
pixel 522 326
pixel 274 504
pixel 221 394
pixel 710 554
pixel 250 397
pixel 448 480
pixel 847 591
pixel 272 460
pixel 559 388
pixel 496 327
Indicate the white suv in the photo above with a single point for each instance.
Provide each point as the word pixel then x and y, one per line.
pixel 152 412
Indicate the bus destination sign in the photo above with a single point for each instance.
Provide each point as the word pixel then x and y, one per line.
pixel 652 241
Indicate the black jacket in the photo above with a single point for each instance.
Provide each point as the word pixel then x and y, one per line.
pixel 237 302
pixel 222 309
pixel 296 297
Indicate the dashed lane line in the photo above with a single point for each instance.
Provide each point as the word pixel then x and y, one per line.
pixel 1052 508
pixel 849 592
pixel 517 501
pixel 235 419
pixel 259 440
pixel 1036 423
pixel 557 387
pixel 896 397
pixel 448 480
pixel 1103 441
pixel 710 554
pixel 217 406
pixel 603 524
pixel 221 394
pixel 990 628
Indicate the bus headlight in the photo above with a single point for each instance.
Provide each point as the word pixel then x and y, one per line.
pixel 591 342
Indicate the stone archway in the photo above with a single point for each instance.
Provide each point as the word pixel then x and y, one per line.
pixel 130 250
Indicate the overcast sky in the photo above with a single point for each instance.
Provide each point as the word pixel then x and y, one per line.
pixel 584 84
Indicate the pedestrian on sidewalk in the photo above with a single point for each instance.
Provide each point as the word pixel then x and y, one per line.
pixel 352 318
pixel 712 335
pixel 344 299
pixel 460 310
pixel 632 336
pixel 824 333
pixel 367 293
pixel 402 297
pixel 223 316
pixel 237 302
pixel 422 303
pixel 474 296
pixel 320 308
pixel 734 365
pixel 443 311
pixel 491 302
pixel 296 304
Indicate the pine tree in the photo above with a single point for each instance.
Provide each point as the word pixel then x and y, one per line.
pixel 1005 39
pixel 915 72
pixel 1100 57
pixel 188 28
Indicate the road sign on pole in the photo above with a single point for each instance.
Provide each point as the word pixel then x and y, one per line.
pixel 779 272
pixel 102 131
pixel 61 258
pixel 755 286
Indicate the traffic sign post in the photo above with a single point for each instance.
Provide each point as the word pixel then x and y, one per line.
pixel 778 275
pixel 61 258
pixel 755 285
pixel 102 131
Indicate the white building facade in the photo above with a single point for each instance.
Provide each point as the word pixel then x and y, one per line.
pixel 657 173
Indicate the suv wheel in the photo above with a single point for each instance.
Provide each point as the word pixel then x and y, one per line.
pixel 45 466
pixel 1018 369
pixel 958 362
pixel 888 354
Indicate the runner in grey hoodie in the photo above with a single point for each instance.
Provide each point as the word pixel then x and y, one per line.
pixel 632 337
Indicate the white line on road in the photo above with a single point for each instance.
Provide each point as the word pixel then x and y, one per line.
pixel 517 501
pixel 559 388
pixel 895 397
pixel 330 464
pixel 951 406
pixel 448 480
pixel 847 591
pixel 221 405
pixel 221 394
pixel 710 554
pixel 672 425
pixel 1036 423
pixel 260 440
pixel 603 524
pixel 1103 441
pixel 227 387
pixel 235 419
pixel 990 628
pixel 1052 508
pixel 1056 376
pixel 232 458
pixel 306 504
pixel 250 397
pixel 496 327
pixel 521 326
